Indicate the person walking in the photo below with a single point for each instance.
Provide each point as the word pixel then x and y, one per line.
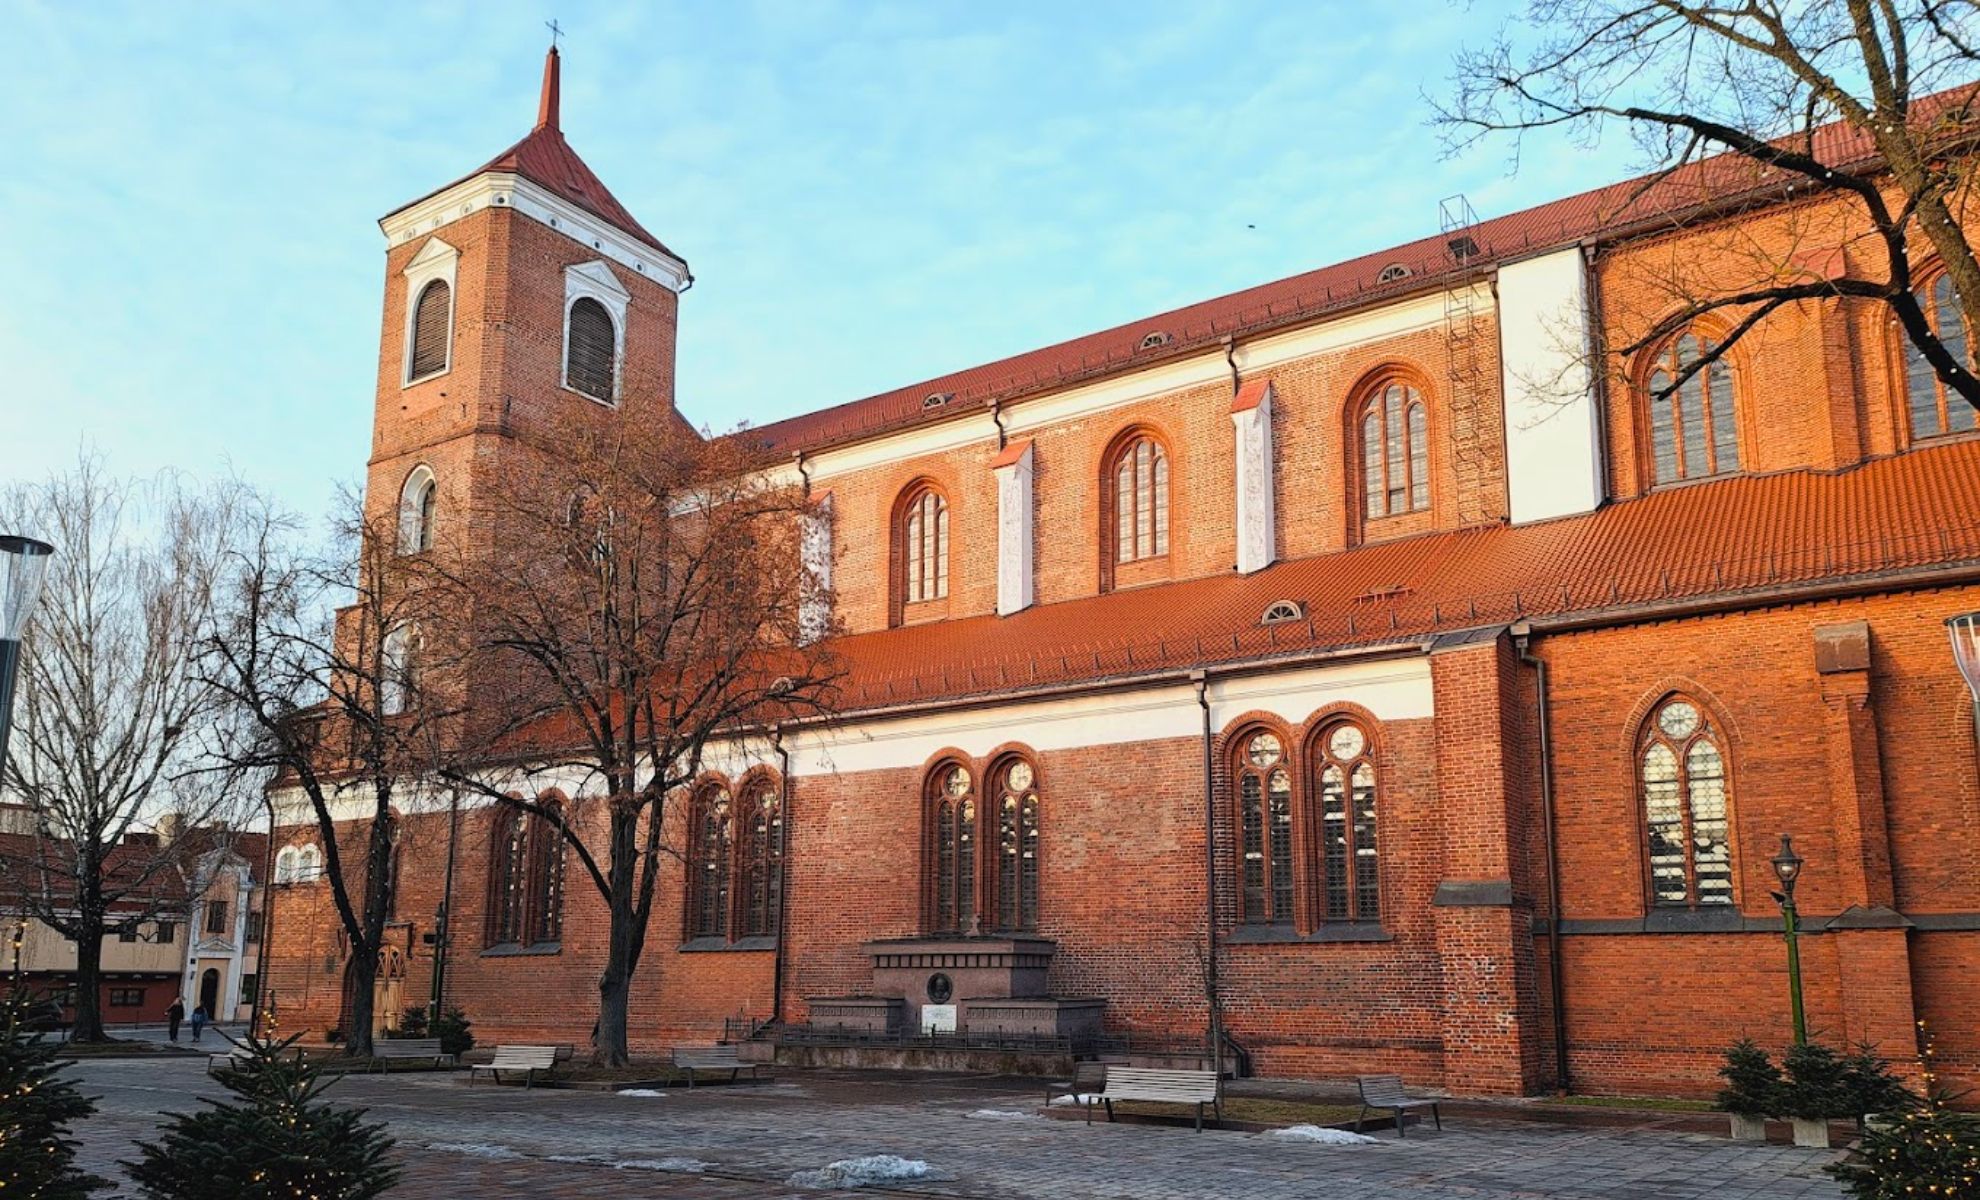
pixel 174 1017
pixel 198 1020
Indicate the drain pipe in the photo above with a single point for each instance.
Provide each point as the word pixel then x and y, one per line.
pixel 783 871
pixel 1522 638
pixel 1202 681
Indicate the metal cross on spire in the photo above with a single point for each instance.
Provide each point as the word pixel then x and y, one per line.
pixel 556 30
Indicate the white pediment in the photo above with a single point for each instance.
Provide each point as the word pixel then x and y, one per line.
pixel 599 276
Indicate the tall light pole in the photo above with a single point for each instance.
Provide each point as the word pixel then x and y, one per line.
pixel 23 566
pixel 1787 869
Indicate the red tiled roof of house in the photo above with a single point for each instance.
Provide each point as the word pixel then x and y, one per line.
pixel 1630 206
pixel 1727 537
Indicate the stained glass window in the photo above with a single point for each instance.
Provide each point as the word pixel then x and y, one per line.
pixel 1687 823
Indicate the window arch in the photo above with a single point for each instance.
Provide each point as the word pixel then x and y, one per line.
pixel 419 502
pixel 1682 771
pixel 546 874
pixel 591 350
pixel 1395 451
pixel 1931 409
pixel 285 865
pixel 951 798
pixel 1015 900
pixel 398 682
pixel 762 858
pixel 309 865
pixel 432 329
pixel 922 538
pixel 1694 433
pixel 711 837
pixel 508 876
pixel 1345 796
pixel 1267 885
pixel 1140 473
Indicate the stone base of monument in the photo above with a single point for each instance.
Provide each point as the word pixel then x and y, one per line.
pixel 1075 1017
pixel 867 1016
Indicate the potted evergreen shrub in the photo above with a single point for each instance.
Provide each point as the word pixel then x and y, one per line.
pixel 1752 1092
pixel 1874 1093
pixel 455 1032
pixel 1818 1087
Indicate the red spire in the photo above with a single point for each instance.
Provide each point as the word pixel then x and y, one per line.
pixel 546 108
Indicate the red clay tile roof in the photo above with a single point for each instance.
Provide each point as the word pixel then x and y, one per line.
pixel 1749 534
pixel 1621 208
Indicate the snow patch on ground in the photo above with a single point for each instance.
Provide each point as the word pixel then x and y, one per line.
pixel 1003 1114
pixel 861 1172
pixel 1323 1135
pixel 680 1166
pixel 1082 1098
pixel 477 1149
pixel 641 1092
pixel 587 1159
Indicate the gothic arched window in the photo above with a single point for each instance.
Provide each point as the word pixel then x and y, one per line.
pixel 419 502
pixel 508 877
pixel 923 539
pixel 546 875
pixel 1345 787
pixel 711 826
pixel 1265 831
pixel 1693 433
pixel 1681 764
pixel 1140 471
pixel 952 850
pixel 1395 452
pixel 762 849
pixel 591 351
pixel 1016 903
pixel 432 327
pixel 1933 410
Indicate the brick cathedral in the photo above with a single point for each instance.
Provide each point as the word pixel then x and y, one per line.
pixel 1373 637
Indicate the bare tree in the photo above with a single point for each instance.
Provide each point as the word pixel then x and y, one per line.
pixel 326 662
pixel 1868 103
pixel 646 599
pixel 113 718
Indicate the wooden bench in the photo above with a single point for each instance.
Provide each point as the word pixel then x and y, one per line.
pixel 1161 1087
pixel 1088 1079
pixel 523 1060
pixel 239 1053
pixel 1384 1093
pixel 390 1050
pixel 712 1058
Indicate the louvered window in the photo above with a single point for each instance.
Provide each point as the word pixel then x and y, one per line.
pixel 1934 410
pixel 431 327
pixel 1693 434
pixel 590 357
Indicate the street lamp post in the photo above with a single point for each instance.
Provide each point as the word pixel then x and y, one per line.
pixel 1787 869
pixel 23 565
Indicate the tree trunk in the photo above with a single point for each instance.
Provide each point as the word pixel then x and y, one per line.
pixel 614 995
pixel 88 1025
pixel 361 983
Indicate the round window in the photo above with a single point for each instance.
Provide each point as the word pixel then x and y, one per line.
pixel 1347 741
pixel 958 781
pixel 1264 750
pixel 1020 776
pixel 1678 719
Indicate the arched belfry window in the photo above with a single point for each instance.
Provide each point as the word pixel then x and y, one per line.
pixel 1933 409
pixel 1141 500
pixel 1345 794
pixel 1016 902
pixel 1395 452
pixel 951 800
pixel 1693 431
pixel 419 505
pixel 762 819
pixel 1267 885
pixel 1681 764
pixel 591 350
pixel 711 826
pixel 432 329
pixel 923 545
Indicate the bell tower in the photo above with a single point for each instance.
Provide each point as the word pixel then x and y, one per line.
pixel 521 296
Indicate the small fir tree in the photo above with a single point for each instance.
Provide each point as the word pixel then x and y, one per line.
pixel 1924 1150
pixel 1753 1083
pixel 455 1032
pixel 37 1155
pixel 276 1139
pixel 1818 1082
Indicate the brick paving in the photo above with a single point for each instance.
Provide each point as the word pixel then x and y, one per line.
pixel 751 1138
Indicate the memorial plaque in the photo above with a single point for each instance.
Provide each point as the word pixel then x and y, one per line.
pixel 938 1018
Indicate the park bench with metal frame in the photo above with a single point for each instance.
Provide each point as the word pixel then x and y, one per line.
pixel 1161 1087
pixel 523 1060
pixel 1088 1078
pixel 713 1058
pixel 1380 1093
pixel 385 1051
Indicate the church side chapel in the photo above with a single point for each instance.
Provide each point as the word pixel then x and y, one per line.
pixel 1365 667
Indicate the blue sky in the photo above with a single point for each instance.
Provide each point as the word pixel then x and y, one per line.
pixel 869 194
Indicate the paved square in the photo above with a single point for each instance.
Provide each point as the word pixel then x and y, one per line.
pixel 463 1142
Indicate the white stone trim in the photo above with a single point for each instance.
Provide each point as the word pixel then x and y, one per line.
pixel 1553 442
pixel 506 189
pixel 594 280
pixel 409 515
pixel 435 260
pixel 815 609
pixel 1016 590
pixel 1257 535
